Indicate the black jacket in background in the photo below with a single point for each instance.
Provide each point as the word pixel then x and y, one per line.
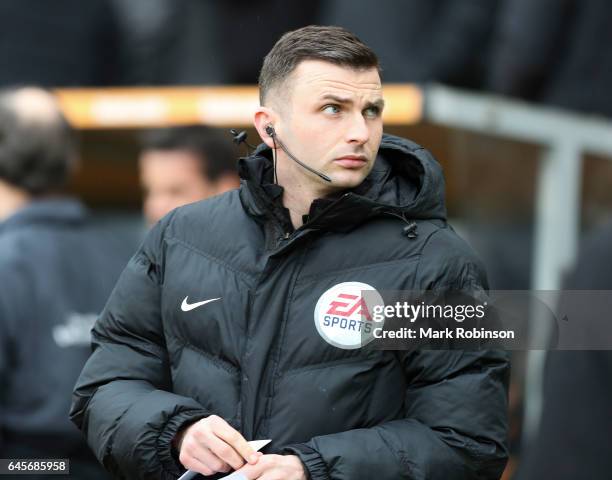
pixel 254 355
pixel 59 43
pixel 56 273
pixel 573 440
pixel 556 52
pixel 441 41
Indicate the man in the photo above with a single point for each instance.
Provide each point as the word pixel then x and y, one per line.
pixel 576 423
pixel 55 275
pixel 183 165
pixel 209 341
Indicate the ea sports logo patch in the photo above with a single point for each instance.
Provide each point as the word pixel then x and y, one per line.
pixel 343 314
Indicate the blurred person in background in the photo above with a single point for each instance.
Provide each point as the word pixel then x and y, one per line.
pixel 59 43
pixel 156 41
pixel 419 41
pixel 189 42
pixel 573 438
pixel 555 52
pixel 240 21
pixel 182 165
pixel 55 275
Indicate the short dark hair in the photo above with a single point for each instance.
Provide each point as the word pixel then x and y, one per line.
pixel 35 156
pixel 314 42
pixel 213 147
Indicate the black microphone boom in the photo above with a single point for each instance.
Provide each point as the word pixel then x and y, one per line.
pixel 272 133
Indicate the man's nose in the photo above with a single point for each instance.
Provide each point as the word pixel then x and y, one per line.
pixel 358 131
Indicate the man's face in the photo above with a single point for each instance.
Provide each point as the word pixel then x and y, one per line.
pixel 332 121
pixel 170 179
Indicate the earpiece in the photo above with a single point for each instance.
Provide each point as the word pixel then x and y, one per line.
pixel 270 130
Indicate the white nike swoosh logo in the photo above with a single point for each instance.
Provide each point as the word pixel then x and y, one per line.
pixel 185 307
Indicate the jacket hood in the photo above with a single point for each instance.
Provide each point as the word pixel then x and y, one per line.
pixel 405 181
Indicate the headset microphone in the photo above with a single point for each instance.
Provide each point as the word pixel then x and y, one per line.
pixel 272 134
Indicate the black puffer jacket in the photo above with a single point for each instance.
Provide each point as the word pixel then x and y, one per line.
pixel 254 356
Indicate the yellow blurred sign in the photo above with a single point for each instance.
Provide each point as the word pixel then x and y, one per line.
pixel 229 106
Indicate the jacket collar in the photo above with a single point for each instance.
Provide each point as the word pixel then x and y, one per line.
pixel 405 181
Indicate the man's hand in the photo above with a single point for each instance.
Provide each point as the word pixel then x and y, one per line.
pixel 211 446
pixel 275 467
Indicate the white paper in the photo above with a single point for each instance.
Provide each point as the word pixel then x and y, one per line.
pixel 257 445
pixel 235 476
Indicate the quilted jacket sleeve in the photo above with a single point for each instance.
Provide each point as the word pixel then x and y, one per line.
pixel 122 401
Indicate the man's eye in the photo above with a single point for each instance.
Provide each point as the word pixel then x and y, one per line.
pixel 372 112
pixel 331 109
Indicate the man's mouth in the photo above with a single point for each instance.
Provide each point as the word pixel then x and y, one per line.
pixel 351 161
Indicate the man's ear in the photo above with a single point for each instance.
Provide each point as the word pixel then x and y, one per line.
pixel 265 116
